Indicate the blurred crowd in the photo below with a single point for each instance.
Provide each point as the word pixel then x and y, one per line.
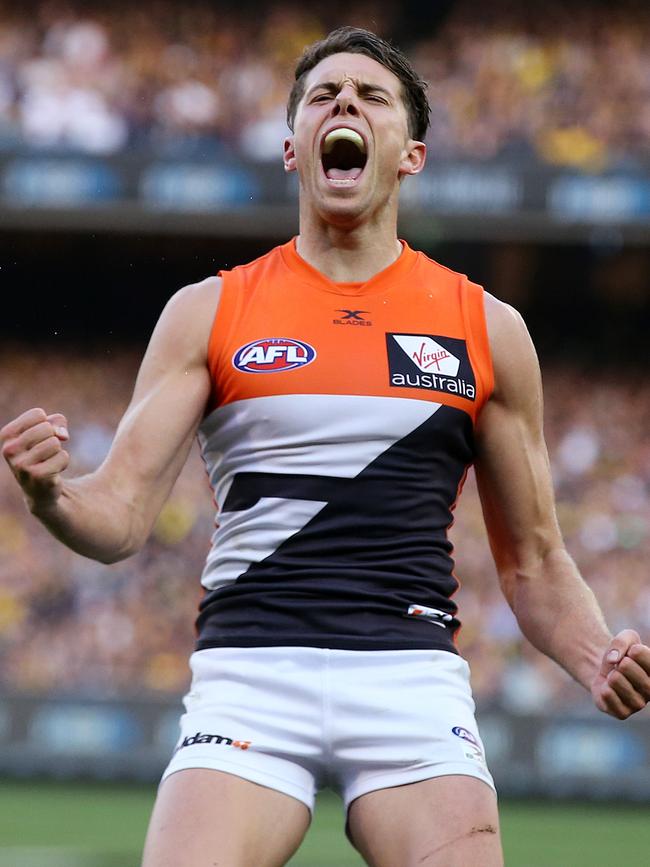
pixel 565 83
pixel 70 625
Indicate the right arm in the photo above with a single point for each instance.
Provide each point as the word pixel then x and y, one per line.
pixel 108 514
pixel 555 608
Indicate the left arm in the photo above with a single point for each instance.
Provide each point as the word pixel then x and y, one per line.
pixel 554 607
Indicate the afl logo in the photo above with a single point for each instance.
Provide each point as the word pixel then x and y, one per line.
pixel 273 355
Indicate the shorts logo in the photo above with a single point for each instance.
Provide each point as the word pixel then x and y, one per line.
pixel 200 738
pixel 474 750
pixel 273 355
pixel 432 362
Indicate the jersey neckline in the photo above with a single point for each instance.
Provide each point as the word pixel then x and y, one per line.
pixel 390 275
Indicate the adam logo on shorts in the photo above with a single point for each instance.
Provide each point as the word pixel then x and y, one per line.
pixel 200 738
pixel 432 362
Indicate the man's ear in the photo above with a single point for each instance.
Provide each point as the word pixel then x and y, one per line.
pixel 289 154
pixel 413 159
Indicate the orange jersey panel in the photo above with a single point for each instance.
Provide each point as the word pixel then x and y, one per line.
pixel 416 329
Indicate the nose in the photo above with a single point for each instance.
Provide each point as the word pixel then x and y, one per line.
pixel 345 102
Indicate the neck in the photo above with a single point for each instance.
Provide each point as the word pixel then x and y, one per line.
pixel 347 254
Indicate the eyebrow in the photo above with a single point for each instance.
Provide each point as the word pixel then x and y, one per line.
pixel 362 88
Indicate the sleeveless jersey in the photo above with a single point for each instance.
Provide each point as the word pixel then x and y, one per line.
pixel 336 442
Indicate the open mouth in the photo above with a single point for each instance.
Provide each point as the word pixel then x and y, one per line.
pixel 343 155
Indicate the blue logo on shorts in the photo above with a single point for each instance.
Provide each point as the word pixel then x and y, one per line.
pixel 476 751
pixel 460 732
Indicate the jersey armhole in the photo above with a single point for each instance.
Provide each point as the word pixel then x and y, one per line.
pixel 223 324
pixel 478 342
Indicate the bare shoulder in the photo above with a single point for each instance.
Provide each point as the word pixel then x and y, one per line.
pixel 196 299
pixel 504 323
pixel 516 368
pixel 186 322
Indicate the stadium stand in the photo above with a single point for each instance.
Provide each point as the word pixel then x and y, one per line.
pixel 565 84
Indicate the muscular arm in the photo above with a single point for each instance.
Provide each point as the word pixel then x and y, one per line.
pixel 555 609
pixel 108 514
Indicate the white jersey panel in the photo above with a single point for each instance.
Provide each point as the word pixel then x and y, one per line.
pixel 334 436
pixel 248 536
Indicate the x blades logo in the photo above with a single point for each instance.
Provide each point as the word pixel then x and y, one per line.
pixel 352 317
pixel 431 362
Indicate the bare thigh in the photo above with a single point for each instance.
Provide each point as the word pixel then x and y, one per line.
pixel 443 822
pixel 204 818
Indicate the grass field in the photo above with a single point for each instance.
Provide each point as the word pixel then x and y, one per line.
pixel 66 825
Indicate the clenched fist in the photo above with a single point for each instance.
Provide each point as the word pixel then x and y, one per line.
pixel 32 446
pixel 622 686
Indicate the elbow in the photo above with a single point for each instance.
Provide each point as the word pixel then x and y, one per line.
pixel 124 529
pixel 514 581
pixel 526 569
pixel 116 553
pixel 108 558
pixel 134 532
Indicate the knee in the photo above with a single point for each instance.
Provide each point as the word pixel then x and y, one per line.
pixel 479 844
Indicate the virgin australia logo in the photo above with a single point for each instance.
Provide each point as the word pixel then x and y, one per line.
pixel 432 362
pixel 428 355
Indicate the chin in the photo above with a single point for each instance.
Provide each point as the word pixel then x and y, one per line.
pixel 343 212
pixel 344 204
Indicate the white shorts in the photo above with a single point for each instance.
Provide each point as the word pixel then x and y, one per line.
pixel 297 719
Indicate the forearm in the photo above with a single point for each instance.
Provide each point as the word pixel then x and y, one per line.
pixel 558 613
pixel 92 519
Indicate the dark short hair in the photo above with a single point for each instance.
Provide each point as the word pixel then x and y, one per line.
pixel 357 41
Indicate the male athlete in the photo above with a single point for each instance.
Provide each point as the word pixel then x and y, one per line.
pixel 340 387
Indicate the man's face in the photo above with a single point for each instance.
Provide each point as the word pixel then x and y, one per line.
pixel 351 143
